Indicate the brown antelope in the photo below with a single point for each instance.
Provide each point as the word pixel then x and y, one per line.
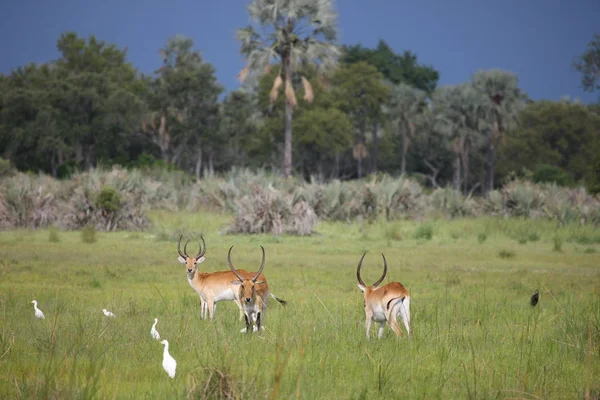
pixel 253 293
pixel 211 287
pixel 385 303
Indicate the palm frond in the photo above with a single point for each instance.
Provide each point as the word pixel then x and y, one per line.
pixel 275 89
pixel 290 94
pixel 308 90
pixel 244 73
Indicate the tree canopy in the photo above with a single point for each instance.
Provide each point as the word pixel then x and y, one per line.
pixel 377 110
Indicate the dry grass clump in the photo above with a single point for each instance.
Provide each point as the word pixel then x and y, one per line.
pixel 451 203
pixel 268 210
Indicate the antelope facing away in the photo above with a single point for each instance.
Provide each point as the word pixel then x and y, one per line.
pixel 385 303
pixel 253 293
pixel 212 287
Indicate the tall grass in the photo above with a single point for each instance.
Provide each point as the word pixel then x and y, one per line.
pixel 475 334
pixel 120 199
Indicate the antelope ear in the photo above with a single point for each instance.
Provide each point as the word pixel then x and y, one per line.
pixel 259 282
pixel 236 282
pixel 361 287
pixel 200 260
pixel 181 259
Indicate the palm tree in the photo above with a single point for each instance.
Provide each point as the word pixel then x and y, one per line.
pixel 296 34
pixel 501 90
pixel 406 104
pixel 460 111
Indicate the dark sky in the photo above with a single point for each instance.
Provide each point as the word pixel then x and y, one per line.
pixel 536 39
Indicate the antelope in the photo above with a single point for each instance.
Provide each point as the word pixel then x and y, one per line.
pixel 253 293
pixel 385 303
pixel 211 287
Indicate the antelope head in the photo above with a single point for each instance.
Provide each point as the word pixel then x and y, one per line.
pixel 361 285
pixel 191 262
pixel 246 284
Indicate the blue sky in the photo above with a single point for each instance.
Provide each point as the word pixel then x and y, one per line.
pixel 536 39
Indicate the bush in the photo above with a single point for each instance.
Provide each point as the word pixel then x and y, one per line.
pixel 424 231
pixel 53 235
pixel 544 173
pixel 109 200
pixel 6 169
pixel 269 210
pixel 88 234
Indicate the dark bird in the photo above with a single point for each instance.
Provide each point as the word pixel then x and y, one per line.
pixel 535 298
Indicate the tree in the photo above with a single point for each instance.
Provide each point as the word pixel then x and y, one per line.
pixel 561 134
pixel 239 124
pixel 363 92
pixel 405 106
pixel 182 106
pixel 589 65
pixel 323 133
pixel 460 111
pixel 397 68
pixel 296 34
pixel 72 113
pixel 501 89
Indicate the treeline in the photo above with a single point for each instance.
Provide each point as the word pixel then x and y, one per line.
pixel 376 111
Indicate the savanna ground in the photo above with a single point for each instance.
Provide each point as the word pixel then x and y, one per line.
pixel 475 334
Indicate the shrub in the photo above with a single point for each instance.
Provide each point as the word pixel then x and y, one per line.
pixel 424 231
pixel 557 240
pixel 268 210
pixel 109 200
pixel 53 235
pixel 88 234
pixel 451 203
pixel 506 254
pixel 481 237
pixel 6 169
pixel 544 173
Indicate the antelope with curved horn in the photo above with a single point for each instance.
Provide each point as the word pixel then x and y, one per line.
pixel 253 293
pixel 385 303
pixel 211 287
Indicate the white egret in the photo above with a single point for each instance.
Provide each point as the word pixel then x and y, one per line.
pixel 38 312
pixel 153 332
pixel 108 313
pixel 169 364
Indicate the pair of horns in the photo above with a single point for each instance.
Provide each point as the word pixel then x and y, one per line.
pixel 241 278
pixel 201 252
pixel 380 279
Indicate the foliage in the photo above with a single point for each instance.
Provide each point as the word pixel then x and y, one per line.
pixel 551 174
pixel 561 134
pixel 589 65
pixel 182 107
pixel 268 210
pixel 88 234
pixel 109 200
pixel 397 68
pixel 6 169
pixel 299 34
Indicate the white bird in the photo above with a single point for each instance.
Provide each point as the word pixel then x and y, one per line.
pixel 108 313
pixel 169 364
pixel 38 312
pixel 153 332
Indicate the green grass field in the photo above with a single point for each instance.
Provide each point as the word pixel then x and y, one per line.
pixel 475 334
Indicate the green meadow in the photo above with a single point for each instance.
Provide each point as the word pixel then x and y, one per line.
pixel 475 335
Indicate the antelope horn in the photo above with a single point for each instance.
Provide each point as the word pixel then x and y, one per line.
pixel 179 248
pixel 358 270
pixel 185 248
pixel 384 271
pixel 231 266
pixel 262 265
pixel 202 250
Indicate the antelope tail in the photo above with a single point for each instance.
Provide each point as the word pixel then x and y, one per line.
pixel 283 302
